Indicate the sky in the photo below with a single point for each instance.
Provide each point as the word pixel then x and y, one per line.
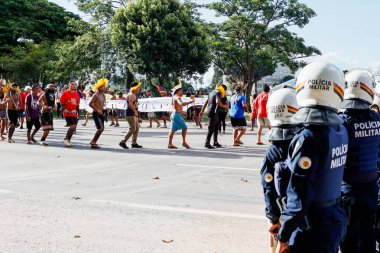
pixel 346 31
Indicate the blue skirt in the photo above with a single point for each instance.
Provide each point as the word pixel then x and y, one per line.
pixel 178 123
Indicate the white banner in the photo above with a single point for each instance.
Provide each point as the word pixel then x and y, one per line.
pixel 163 104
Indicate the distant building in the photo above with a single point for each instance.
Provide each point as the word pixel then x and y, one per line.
pixel 276 78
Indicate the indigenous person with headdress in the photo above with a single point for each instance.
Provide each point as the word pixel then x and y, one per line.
pixel 32 113
pixel 238 106
pixel 213 103
pixel 70 107
pixel 3 112
pixel 12 98
pixel 98 104
pixel 47 101
pixel 177 121
pixel 132 117
pixel 23 95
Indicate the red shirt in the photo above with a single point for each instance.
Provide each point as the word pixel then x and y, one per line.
pixel 254 109
pixel 71 102
pixel 23 97
pixel 261 105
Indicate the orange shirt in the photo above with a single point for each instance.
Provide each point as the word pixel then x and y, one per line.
pixel 261 105
pixel 71 102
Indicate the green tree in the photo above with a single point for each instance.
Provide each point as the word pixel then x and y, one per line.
pixel 33 21
pixel 255 37
pixel 161 38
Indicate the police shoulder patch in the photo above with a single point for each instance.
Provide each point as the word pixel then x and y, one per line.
pixel 268 177
pixel 304 162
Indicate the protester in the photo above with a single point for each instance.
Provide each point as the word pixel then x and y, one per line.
pixel 261 106
pixel 47 102
pixel 151 115
pixel 253 113
pixel 213 103
pixel 222 114
pixel 121 112
pixel 70 107
pixel 238 106
pixel 13 106
pixel 21 114
pixel 3 113
pixel 98 104
pixel 132 117
pixel 113 111
pixel 177 121
pixel 197 110
pixel 32 113
pixel 58 95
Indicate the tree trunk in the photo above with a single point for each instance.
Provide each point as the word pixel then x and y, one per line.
pixel 248 92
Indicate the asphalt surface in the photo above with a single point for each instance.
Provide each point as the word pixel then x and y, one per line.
pixel 56 199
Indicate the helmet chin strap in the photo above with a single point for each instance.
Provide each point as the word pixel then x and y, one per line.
pixel 316 116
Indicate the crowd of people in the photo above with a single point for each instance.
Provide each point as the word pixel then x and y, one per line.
pixel 37 106
pixel 320 174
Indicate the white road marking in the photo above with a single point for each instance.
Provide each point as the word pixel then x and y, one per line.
pixel 185 210
pixel 215 167
pixel 4 191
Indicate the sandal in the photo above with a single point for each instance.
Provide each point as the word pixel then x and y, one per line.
pixel 186 146
pixel 236 144
pixel 172 147
pixel 240 142
pixel 94 146
pixel 260 143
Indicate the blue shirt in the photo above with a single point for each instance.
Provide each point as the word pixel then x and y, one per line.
pixel 237 106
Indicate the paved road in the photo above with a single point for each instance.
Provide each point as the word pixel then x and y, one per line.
pixel 55 199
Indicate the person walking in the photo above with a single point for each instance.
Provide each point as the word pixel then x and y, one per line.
pixel 222 114
pixel 253 113
pixel 151 115
pixel 177 120
pixel 98 105
pixel 132 117
pixel 12 98
pixel 238 106
pixel 261 106
pixel 47 102
pixel 213 103
pixel 3 112
pixel 32 113
pixel 70 108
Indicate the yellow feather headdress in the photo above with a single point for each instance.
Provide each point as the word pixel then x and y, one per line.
pixel 100 83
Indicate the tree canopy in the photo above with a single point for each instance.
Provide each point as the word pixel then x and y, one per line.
pixel 160 38
pixel 255 37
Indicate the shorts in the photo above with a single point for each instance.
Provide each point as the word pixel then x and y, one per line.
pixel 12 117
pixel 150 114
pixel 113 113
pixel 178 123
pixel 47 121
pixel 21 113
pixel 99 120
pixel 263 122
pixel 33 122
pixel 238 123
pixel 71 121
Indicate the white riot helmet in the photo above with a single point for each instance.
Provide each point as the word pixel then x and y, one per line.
pixel 360 85
pixel 376 99
pixel 320 84
pixel 282 105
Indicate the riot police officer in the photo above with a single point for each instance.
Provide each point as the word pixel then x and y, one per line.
pixel 359 187
pixel 314 220
pixel 281 106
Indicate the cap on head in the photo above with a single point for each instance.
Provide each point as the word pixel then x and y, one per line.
pixel 320 84
pixel 14 85
pixel 360 85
